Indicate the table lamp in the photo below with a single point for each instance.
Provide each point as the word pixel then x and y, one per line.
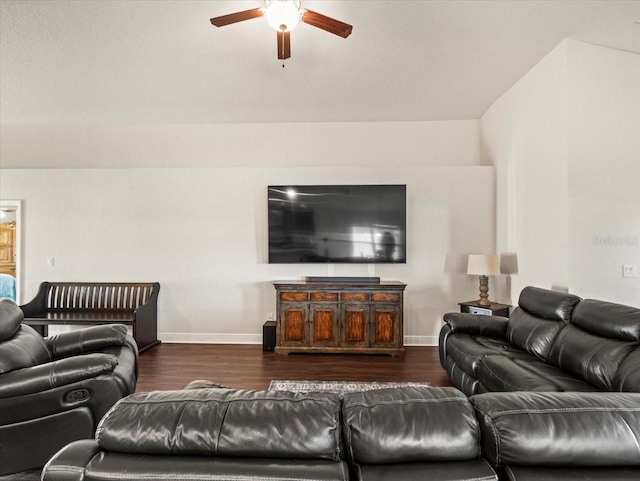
pixel 483 265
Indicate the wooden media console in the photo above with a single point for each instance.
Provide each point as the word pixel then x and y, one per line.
pixel 339 317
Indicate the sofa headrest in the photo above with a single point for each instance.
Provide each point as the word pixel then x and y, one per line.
pixel 608 319
pixel 559 429
pixel 11 317
pixel 552 305
pixel 410 424
pixel 225 422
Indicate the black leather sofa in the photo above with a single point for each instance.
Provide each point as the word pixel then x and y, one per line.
pixel 552 341
pixel 211 434
pixel 400 434
pixel 54 390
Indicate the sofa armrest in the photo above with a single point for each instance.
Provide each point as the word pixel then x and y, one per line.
pixel 490 326
pixel 47 376
pixel 69 463
pixel 89 339
pixel 559 429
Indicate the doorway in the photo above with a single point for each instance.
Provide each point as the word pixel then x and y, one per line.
pixel 10 251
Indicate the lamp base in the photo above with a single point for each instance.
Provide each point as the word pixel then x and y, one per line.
pixel 484 292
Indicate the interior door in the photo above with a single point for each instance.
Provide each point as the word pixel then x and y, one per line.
pixel 10 240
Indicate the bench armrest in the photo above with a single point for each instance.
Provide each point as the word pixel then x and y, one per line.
pixel 89 339
pixel 490 326
pixel 50 375
pixel 146 320
pixel 39 303
pixel 69 463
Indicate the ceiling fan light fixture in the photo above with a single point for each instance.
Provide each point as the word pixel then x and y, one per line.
pixel 283 15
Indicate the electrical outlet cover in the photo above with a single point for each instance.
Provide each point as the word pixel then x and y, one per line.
pixel 629 270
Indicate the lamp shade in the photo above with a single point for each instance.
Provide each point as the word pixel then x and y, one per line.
pixel 483 264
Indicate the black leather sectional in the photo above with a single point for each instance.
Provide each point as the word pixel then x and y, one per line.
pixel 400 434
pixel 552 341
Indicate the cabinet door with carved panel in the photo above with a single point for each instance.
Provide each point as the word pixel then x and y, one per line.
pixel 294 326
pixel 355 325
pixel 386 319
pixel 385 326
pixel 323 311
pixel 323 328
pixel 355 320
pixel 293 319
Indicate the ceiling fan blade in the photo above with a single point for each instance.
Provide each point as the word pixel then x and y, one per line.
pixel 237 17
pixel 329 24
pixel 284 45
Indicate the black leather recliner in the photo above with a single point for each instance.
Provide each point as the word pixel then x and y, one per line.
pixel 54 390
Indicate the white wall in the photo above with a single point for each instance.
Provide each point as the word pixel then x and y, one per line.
pixel 524 135
pixel 565 141
pixel 201 231
pixel 240 145
pixel 604 171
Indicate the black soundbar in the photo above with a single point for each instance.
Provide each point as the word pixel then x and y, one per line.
pixel 362 280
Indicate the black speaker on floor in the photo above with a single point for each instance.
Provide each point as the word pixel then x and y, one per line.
pixel 269 336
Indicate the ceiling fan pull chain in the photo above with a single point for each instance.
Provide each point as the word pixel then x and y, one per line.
pixel 282 33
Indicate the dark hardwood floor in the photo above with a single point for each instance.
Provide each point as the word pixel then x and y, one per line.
pixel 172 366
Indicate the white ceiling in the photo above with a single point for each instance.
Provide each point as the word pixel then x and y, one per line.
pixel 150 61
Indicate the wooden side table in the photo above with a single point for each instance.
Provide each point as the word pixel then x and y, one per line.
pixel 494 309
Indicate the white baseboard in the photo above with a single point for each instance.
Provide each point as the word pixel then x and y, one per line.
pixel 420 340
pixel 201 338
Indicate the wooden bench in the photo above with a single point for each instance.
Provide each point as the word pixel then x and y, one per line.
pixel 81 303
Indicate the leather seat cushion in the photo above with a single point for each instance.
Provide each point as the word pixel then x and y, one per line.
pixel 468 350
pixel 555 473
pixel 110 466
pixel 462 380
pixel 499 373
pixel 476 470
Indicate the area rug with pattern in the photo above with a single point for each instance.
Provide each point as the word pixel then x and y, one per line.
pixel 340 387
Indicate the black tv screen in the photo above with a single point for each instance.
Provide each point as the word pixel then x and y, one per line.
pixel 337 223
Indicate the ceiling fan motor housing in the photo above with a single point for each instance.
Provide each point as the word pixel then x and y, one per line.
pixel 283 15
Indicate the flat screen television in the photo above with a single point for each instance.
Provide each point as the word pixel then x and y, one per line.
pixel 337 223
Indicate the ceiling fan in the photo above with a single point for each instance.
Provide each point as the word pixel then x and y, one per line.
pixel 283 16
